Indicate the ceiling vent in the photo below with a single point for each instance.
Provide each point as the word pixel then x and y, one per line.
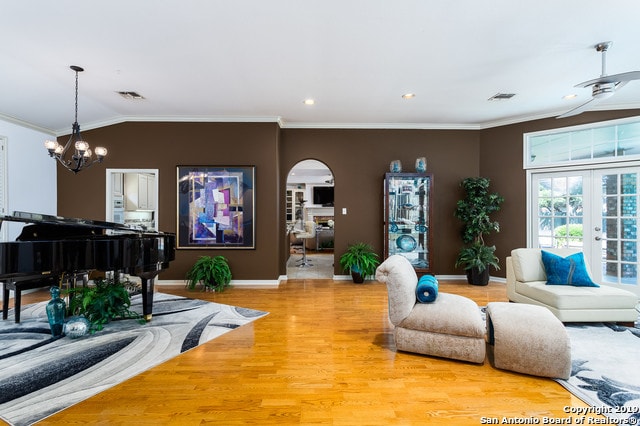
pixel 131 95
pixel 502 96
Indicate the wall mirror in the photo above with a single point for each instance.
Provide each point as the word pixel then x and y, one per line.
pixel 132 197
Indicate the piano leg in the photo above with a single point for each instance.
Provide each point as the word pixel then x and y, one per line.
pixel 147 297
pixel 17 300
pixel 5 300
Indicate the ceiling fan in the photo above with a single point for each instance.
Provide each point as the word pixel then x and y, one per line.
pixel 603 86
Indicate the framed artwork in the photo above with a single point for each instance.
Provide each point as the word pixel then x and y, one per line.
pixel 216 207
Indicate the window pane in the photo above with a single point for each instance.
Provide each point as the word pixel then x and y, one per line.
pixel 629 134
pixel 629 183
pixel 560 206
pixel 610 227
pixel 611 269
pixel 581 144
pixel 612 249
pixel 586 144
pixel 629 206
pixel 544 206
pixel 610 184
pixel 611 205
pixel 629 273
pixel 575 185
pixel 629 252
pixel 629 229
pixel 559 187
pixel 575 204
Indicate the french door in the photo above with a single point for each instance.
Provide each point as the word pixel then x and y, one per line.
pixel 596 211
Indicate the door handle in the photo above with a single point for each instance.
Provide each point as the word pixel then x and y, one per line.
pixel 597 228
pixel 598 238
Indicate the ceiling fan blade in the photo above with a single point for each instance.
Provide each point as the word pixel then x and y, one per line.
pixel 621 84
pixel 578 110
pixel 615 78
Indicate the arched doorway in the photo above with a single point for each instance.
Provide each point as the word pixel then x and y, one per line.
pixel 309 198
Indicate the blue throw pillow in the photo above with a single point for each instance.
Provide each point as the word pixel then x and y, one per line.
pixel 570 270
pixel 427 289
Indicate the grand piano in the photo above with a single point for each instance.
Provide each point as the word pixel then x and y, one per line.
pixel 52 247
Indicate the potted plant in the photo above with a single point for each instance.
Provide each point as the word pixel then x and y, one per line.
pixel 476 260
pixel 360 260
pixel 212 272
pixel 475 213
pixel 106 300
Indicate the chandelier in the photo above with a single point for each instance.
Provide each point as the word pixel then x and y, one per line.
pixel 81 158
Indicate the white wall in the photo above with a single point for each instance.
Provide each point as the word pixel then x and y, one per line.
pixel 31 173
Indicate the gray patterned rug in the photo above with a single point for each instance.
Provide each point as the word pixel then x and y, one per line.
pixel 40 376
pixel 604 371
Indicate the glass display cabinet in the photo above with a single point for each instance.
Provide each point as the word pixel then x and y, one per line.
pixel 407 218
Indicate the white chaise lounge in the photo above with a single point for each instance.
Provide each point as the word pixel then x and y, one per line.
pixel 526 283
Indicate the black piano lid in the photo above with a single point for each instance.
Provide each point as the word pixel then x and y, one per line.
pixel 45 219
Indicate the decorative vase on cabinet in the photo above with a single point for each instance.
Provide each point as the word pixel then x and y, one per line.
pixel 407 218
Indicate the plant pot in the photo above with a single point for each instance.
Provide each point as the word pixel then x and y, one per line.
pixel 357 277
pixel 475 277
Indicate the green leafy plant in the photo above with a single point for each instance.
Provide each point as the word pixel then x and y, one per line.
pixel 212 272
pixel 475 213
pixel 360 258
pixel 102 302
pixel 477 256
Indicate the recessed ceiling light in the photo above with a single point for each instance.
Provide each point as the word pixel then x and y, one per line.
pixel 309 101
pixel 408 96
pixel 571 96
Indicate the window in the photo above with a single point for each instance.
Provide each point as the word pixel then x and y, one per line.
pixel 583 186
pixel 610 141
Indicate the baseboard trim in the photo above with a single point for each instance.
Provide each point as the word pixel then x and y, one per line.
pixel 342 278
pixel 234 283
pixel 464 278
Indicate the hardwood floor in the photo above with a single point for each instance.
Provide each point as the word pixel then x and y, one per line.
pixel 324 355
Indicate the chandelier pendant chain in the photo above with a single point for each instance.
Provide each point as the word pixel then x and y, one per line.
pixel 76 117
pixel 81 157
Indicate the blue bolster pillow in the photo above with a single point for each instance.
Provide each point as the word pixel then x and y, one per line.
pixel 427 289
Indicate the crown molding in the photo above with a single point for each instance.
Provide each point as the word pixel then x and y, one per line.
pixel 169 119
pixel 308 125
pixel 399 126
pixel 22 123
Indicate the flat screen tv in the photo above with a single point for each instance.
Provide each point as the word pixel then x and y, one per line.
pixel 323 195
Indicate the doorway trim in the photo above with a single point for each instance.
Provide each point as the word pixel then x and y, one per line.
pixel 325 177
pixel 109 191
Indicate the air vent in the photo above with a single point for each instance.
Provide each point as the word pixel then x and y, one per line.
pixel 502 96
pixel 131 95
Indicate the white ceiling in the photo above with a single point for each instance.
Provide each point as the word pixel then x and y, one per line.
pixel 310 171
pixel 256 60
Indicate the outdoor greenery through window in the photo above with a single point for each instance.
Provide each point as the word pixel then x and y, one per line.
pixel 560 216
pixel 606 142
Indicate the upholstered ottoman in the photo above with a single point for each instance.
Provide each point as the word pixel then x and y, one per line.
pixel 528 339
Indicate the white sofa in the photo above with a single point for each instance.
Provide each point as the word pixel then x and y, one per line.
pixel 526 283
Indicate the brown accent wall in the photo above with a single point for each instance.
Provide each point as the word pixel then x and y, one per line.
pixel 358 159
pixel 167 145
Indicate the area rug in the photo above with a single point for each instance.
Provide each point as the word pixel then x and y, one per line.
pixel 40 376
pixel 605 372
